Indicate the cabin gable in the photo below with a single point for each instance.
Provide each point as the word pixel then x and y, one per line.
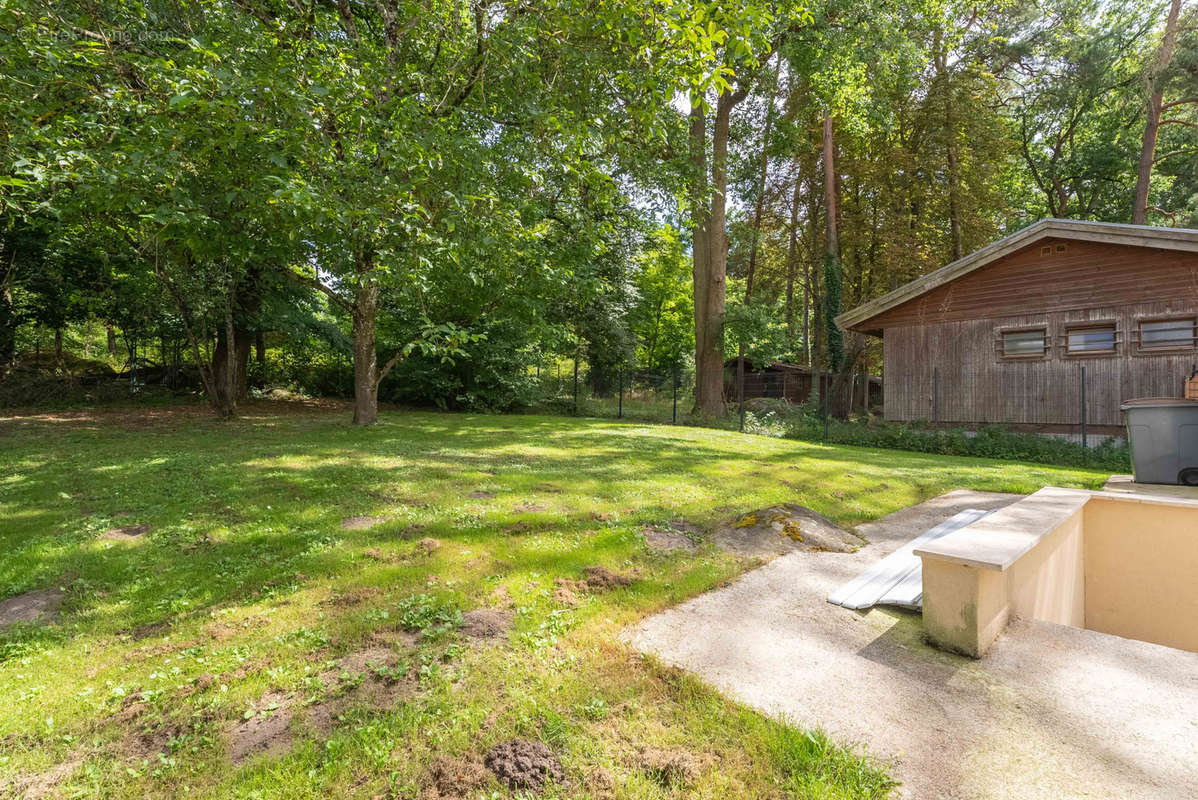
pixel 1055 275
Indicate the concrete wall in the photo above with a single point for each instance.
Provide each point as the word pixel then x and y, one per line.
pixel 1048 582
pixel 1141 569
pixel 1118 564
pixel 964 608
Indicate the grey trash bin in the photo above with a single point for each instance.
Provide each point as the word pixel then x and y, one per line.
pixel 1163 433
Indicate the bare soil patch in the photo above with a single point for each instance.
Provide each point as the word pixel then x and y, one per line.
pixel 599 577
pixel 455 777
pixel 600 784
pixel 124 533
pixel 523 764
pixel 784 528
pixel 674 535
pixel 37 785
pixel 267 731
pixel 529 508
pixel 361 523
pixel 481 495
pixel 149 630
pixel 372 676
pixel 428 544
pixel 501 597
pixel 673 768
pixel 353 597
pixel 487 623
pixel 566 591
pixel 40 605
pixel 378 554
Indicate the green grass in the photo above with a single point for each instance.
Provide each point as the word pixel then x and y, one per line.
pixel 248 579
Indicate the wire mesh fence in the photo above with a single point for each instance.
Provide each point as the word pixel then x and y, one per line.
pixel 1082 407
pixel 633 394
pixel 669 397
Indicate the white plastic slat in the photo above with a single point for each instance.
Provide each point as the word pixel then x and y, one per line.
pixel 898 578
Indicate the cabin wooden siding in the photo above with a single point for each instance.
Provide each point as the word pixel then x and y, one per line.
pixel 955 329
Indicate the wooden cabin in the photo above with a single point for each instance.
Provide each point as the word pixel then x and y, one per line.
pixel 791 382
pixel 1058 323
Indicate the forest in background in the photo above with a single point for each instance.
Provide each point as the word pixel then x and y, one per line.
pixel 434 201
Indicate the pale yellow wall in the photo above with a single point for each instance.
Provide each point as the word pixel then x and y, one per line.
pixel 1114 564
pixel 1048 582
pixel 1141 567
pixel 964 608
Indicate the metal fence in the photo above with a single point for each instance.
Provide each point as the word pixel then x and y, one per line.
pixel 669 397
pixel 621 394
pixel 1083 408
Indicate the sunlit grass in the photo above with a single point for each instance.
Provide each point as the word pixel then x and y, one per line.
pixel 247 576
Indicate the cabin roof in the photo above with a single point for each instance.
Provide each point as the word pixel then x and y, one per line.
pixel 1104 232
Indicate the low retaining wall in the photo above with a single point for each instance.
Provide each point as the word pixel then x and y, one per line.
pixel 1118 564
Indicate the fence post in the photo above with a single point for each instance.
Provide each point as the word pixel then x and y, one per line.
pixel 620 407
pixel 740 386
pixel 575 385
pixel 936 395
pixel 1085 442
pixel 823 399
pixel 675 419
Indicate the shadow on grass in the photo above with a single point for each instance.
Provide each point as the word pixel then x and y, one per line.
pixel 249 510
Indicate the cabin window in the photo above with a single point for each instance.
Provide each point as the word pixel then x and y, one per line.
pixel 1024 343
pixel 1167 333
pixel 1091 339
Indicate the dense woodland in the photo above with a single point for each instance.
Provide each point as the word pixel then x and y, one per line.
pixel 433 200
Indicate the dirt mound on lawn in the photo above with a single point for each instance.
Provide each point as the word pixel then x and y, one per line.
pixel 524 764
pixel 782 529
pixel 487 623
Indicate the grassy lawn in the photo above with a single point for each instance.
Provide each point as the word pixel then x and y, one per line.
pixel 250 644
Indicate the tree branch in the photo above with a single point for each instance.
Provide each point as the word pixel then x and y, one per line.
pixel 1187 123
pixel 1167 106
pixel 395 359
pixel 312 283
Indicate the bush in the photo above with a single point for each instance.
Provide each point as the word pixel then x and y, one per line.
pixel 991 441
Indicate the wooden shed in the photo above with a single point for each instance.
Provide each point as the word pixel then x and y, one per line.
pixel 1051 326
pixel 791 382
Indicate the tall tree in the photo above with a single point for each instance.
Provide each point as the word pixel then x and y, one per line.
pixel 1154 105
pixel 746 45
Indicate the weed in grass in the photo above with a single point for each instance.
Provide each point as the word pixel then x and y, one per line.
pixel 431 616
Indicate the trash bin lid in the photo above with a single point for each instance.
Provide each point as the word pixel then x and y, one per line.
pixel 1158 402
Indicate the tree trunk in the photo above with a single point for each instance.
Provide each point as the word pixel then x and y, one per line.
pixel 709 378
pixel 832 275
pixel 954 202
pixel 757 210
pixel 111 340
pixel 8 328
pixel 260 347
pixel 701 246
pixel 366 385
pixel 1153 104
pixel 58 348
pixel 812 324
pixel 950 150
pixel 230 366
pixel 792 247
